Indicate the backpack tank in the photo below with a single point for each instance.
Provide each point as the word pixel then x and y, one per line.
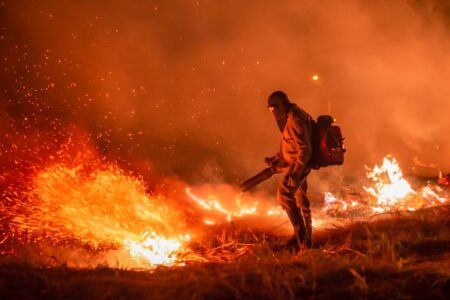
pixel 327 143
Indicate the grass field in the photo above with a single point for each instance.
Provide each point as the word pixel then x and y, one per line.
pixel 403 256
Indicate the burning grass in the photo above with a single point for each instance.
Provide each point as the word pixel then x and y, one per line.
pixel 83 227
pixel 405 255
pixel 103 209
pixel 89 204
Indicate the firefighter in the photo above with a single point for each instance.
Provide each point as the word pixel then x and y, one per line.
pixel 293 158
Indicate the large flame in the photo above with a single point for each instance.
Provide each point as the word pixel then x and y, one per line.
pixel 102 208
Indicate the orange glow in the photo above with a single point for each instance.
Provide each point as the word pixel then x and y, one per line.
pixel 103 209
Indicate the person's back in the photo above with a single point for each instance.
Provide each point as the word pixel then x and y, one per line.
pixel 296 136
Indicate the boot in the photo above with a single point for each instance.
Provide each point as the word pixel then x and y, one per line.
pixel 298 223
pixel 308 236
pixel 292 244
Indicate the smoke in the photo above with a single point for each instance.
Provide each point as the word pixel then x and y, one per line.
pixel 183 84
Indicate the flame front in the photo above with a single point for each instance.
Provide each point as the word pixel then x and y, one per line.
pixel 101 209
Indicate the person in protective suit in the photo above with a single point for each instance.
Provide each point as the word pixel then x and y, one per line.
pixel 294 156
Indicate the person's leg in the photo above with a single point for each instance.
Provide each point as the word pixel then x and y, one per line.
pixel 286 197
pixel 303 203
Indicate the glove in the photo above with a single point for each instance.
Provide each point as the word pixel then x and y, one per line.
pixel 271 161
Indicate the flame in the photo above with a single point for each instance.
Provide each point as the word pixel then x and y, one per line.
pixel 102 208
pixel 389 192
pixel 213 205
pixel 272 213
pixel 389 186
pixel 276 211
pixel 209 222
pixel 155 249
pixel 334 203
pixel 393 192
pixel 428 193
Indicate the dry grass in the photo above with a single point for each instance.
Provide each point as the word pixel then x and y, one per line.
pixel 404 256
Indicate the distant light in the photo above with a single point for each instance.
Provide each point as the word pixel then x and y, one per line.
pixel 315 77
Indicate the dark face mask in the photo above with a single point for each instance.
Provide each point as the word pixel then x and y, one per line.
pixel 280 113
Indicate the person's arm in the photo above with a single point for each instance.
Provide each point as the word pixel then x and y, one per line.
pixel 276 162
pixel 298 132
